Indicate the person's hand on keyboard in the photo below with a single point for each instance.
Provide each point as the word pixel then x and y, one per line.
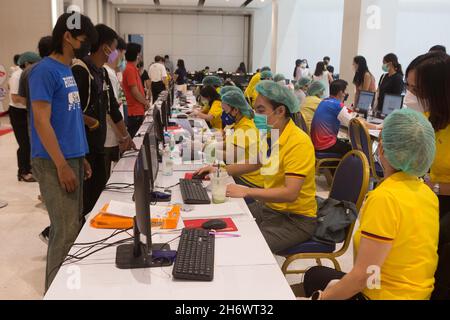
pixel 206 170
pixel 236 191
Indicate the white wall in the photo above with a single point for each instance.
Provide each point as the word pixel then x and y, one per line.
pixel 262 37
pixel 201 40
pixel 407 28
pixel 308 29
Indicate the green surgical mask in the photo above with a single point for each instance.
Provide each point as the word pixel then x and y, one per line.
pixel 261 122
pixel 385 67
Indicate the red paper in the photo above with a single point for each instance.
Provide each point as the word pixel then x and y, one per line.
pixel 197 224
pixel 173 128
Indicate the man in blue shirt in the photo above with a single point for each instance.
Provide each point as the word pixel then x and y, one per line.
pixel 58 139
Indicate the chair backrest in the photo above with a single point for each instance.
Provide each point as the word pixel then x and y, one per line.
pixel 300 122
pixel 351 180
pixel 351 183
pixel 360 140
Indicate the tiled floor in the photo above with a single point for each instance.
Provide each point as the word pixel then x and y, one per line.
pixel 22 254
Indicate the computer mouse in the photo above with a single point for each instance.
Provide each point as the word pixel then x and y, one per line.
pixel 182 116
pixel 214 224
pixel 161 195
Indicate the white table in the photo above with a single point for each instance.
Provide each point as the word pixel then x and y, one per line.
pixel 245 268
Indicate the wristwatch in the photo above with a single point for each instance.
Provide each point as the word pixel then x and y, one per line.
pixel 437 188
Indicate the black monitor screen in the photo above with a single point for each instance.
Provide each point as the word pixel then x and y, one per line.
pixel 151 149
pixel 365 101
pixel 142 196
pixel 158 125
pixel 392 103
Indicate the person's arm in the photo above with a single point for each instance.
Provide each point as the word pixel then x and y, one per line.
pixel 371 254
pixel 330 78
pixel 233 170
pixel 367 82
pixel 16 99
pixel 139 97
pixel 444 188
pixel 42 114
pixel 288 193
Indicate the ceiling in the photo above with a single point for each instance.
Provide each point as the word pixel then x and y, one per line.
pixel 190 4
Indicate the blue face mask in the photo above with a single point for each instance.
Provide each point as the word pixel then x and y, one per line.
pixel 261 122
pixel 122 65
pixel 227 119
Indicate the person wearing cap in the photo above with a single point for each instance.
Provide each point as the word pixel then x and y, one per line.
pixel 285 209
pixel 212 107
pixel 213 81
pixel 19 118
pixel 312 101
pixel 227 120
pixel 242 138
pixel 250 93
pixel 301 88
pixel 280 78
pixel 266 75
pixel 399 223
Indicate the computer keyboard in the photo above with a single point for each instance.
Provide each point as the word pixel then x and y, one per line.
pixel 193 192
pixel 195 256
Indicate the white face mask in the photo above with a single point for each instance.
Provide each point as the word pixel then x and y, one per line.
pixel 413 103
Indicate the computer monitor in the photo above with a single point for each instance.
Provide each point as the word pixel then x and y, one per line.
pixel 165 114
pixel 391 103
pixel 140 254
pixel 151 150
pixel 365 101
pixel 158 125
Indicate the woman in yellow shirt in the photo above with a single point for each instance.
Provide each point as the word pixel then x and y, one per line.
pixel 397 241
pixel 427 79
pixel 312 101
pixel 250 93
pixel 211 99
pixel 286 207
pixel 242 145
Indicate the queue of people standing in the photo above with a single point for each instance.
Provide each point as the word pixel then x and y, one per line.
pixel 77 129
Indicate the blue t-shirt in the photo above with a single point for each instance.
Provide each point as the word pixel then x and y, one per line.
pixel 53 82
pixel 325 125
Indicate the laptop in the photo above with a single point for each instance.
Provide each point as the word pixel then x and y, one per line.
pixel 391 103
pixel 365 102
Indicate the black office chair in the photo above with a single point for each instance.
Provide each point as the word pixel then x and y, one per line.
pixel 350 183
pixel 300 122
pixel 361 140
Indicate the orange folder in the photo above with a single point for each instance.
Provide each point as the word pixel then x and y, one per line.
pixel 105 220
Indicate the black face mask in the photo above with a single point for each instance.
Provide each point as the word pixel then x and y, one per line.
pixel 346 97
pixel 83 51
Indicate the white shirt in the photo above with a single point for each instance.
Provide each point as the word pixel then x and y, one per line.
pixel 111 138
pixel 324 78
pixel 157 72
pixel 14 88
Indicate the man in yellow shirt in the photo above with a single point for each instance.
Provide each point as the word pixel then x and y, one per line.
pixel 397 241
pixel 286 207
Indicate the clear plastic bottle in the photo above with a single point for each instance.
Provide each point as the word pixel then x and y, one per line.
pixel 172 142
pixel 167 162
pixel 370 114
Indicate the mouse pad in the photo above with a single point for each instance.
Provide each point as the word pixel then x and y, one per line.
pixel 197 224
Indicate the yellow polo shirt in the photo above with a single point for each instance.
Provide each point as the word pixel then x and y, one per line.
pixel 404 212
pixel 216 112
pixel 250 92
pixel 440 170
pixel 246 136
pixel 308 109
pixel 292 156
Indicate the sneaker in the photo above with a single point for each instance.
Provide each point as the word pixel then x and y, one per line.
pixel 44 235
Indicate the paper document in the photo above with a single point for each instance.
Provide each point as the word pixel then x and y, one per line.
pixel 125 209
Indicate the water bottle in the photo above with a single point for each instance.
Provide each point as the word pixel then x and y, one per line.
pixel 370 114
pixel 172 142
pixel 167 162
